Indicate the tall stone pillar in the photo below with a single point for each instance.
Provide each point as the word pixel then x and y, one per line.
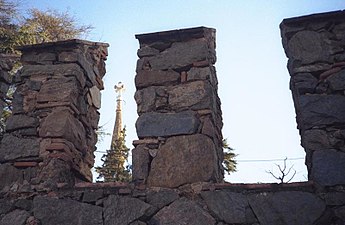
pixel 180 120
pixel 315 47
pixel 50 138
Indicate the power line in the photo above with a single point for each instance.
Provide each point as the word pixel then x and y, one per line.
pixel 269 160
pixel 255 160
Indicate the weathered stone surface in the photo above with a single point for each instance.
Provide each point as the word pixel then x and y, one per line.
pixel 335 198
pixel 95 96
pixel 328 167
pixel 123 210
pixel 16 217
pixel 5 180
pixel 205 73
pixel 229 207
pixel 320 110
pixel 16 122
pixel 5 204
pixel 151 98
pixel 315 139
pixel 287 207
pixel 182 160
pixel 58 90
pixel 166 124
pixel 308 47
pixel 141 163
pixel 52 211
pixel 146 78
pixel 70 69
pixel 337 81
pixel 194 95
pixel 61 123
pixel 340 213
pixel 182 211
pixel 303 83
pixel 161 197
pixel 13 147
pixel 147 51
pixel 181 54
pixel 93 195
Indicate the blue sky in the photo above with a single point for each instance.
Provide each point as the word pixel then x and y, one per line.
pixel 258 112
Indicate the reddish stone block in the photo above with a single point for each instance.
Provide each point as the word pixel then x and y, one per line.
pixel 183 76
pixel 25 164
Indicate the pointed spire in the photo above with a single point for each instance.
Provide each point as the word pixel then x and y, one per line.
pixel 119 89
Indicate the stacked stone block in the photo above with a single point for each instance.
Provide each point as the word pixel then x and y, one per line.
pixel 50 138
pixel 180 121
pixel 315 47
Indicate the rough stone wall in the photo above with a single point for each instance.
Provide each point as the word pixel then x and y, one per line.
pixel 194 204
pixel 180 121
pixel 315 46
pixel 50 138
pixel 6 65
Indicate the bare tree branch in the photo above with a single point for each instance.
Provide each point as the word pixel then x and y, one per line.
pixel 283 172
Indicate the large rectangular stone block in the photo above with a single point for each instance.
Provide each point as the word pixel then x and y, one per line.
pixel 320 110
pixel 328 167
pixel 182 160
pixel 167 124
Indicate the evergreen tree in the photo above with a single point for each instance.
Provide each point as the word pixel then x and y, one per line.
pixel 114 168
pixel 229 161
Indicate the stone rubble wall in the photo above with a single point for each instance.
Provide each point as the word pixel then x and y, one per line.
pixel 193 204
pixel 315 46
pixel 51 136
pixel 7 62
pixel 180 120
pixel 318 97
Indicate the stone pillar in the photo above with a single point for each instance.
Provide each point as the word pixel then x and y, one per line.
pixel 180 121
pixel 315 47
pixel 50 138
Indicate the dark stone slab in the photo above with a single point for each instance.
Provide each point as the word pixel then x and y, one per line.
pixel 123 210
pixel 5 204
pixel 13 147
pixel 181 54
pixel 162 197
pixel 229 207
pixel 59 90
pixel 61 123
pixel 166 124
pixel 309 47
pixel 16 217
pixel 287 207
pixel 52 211
pixel 16 122
pixel 320 110
pixel 195 95
pixel 183 211
pixel 328 167
pixel 147 51
pixel 337 81
pixel 315 139
pixel 146 78
pixel 335 198
pixel 183 160
pixel 141 163
pixel 303 83
pixel 92 195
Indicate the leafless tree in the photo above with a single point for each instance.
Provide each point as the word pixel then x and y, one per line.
pixel 284 173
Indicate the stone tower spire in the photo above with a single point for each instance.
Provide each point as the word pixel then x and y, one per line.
pixel 119 88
